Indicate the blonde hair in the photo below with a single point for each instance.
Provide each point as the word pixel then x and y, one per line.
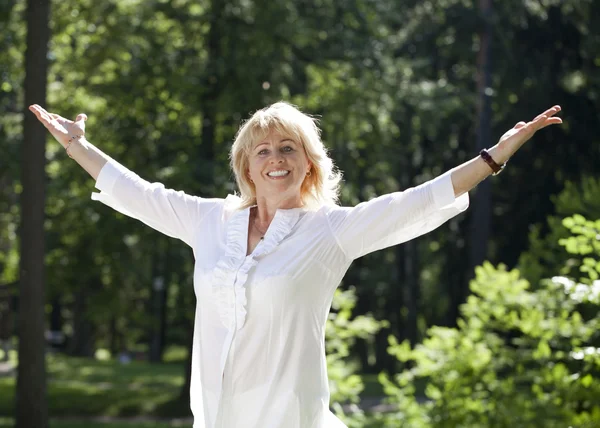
pixel 319 188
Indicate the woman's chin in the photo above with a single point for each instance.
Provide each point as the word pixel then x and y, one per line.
pixel 281 187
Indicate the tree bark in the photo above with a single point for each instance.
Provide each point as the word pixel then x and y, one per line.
pixel 82 341
pixel 213 86
pixel 158 322
pixel 31 400
pixel 482 200
pixel 412 290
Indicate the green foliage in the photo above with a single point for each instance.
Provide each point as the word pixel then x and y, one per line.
pixel 585 241
pixel 518 357
pixel 545 256
pixel 341 334
pixel 12 70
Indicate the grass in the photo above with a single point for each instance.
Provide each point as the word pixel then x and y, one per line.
pixel 7 422
pixel 92 393
pixel 87 388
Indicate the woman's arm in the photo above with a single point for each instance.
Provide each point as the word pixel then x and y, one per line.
pixel 469 174
pixel 64 130
pixel 171 212
pixel 400 216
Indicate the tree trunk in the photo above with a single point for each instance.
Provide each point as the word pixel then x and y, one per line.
pixel 213 86
pixel 31 400
pixel 113 344
pixel 411 288
pixel 82 341
pixel 482 211
pixel 159 303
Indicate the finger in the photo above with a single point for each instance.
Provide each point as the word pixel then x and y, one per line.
pixel 60 118
pixel 42 110
pixel 35 109
pixel 551 121
pixel 542 121
pixel 41 114
pixel 550 112
pixel 535 124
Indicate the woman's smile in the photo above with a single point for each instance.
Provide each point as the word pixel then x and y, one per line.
pixel 278 174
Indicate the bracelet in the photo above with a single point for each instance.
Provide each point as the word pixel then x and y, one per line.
pixel 73 138
pixel 491 162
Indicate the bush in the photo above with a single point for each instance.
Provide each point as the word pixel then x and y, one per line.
pixel 518 357
pixel 342 331
pixel 544 256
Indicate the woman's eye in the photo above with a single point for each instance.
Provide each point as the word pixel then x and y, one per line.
pixel 263 152
pixel 287 149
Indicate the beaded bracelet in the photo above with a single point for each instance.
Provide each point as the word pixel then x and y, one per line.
pixel 73 138
pixel 491 162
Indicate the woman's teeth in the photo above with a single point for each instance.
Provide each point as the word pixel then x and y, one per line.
pixel 278 173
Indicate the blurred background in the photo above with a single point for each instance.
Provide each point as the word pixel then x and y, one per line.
pixel 489 321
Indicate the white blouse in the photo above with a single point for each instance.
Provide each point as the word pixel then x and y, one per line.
pixel 258 357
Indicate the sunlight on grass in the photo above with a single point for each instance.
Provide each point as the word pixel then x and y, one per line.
pixel 175 354
pixel 88 388
pixel 8 422
pixel 82 387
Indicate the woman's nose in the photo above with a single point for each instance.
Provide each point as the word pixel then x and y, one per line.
pixel 277 158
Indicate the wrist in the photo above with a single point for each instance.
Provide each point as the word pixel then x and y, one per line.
pixel 75 141
pixel 500 154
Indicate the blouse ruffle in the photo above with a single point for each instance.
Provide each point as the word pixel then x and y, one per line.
pixel 232 270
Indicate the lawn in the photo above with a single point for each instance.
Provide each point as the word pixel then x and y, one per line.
pixel 80 387
pixel 8 423
pixel 80 390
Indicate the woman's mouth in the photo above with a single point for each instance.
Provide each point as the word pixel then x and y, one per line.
pixel 278 174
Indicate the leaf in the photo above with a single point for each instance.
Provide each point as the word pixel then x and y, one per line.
pixel 587 380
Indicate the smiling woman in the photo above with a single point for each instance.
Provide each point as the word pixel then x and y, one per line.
pixel 267 262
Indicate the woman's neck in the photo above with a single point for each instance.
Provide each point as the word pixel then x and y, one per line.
pixel 267 208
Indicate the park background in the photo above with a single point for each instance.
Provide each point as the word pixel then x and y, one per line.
pixel 489 321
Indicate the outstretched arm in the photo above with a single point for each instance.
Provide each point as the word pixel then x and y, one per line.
pixel 469 174
pixel 171 212
pixel 64 131
pixel 400 216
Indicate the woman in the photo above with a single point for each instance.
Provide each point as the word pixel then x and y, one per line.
pixel 267 262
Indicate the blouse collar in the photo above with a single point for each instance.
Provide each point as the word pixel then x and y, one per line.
pixel 232 269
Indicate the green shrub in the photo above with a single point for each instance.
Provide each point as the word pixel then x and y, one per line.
pixel 545 257
pixel 517 358
pixel 341 334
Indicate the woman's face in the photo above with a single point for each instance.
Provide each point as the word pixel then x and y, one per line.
pixel 278 165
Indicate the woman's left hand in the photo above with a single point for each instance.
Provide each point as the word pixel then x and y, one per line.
pixel 514 138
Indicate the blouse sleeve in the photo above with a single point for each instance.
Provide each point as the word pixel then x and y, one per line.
pixel 396 217
pixel 171 212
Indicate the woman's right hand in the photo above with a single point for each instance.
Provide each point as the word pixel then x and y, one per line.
pixel 62 129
